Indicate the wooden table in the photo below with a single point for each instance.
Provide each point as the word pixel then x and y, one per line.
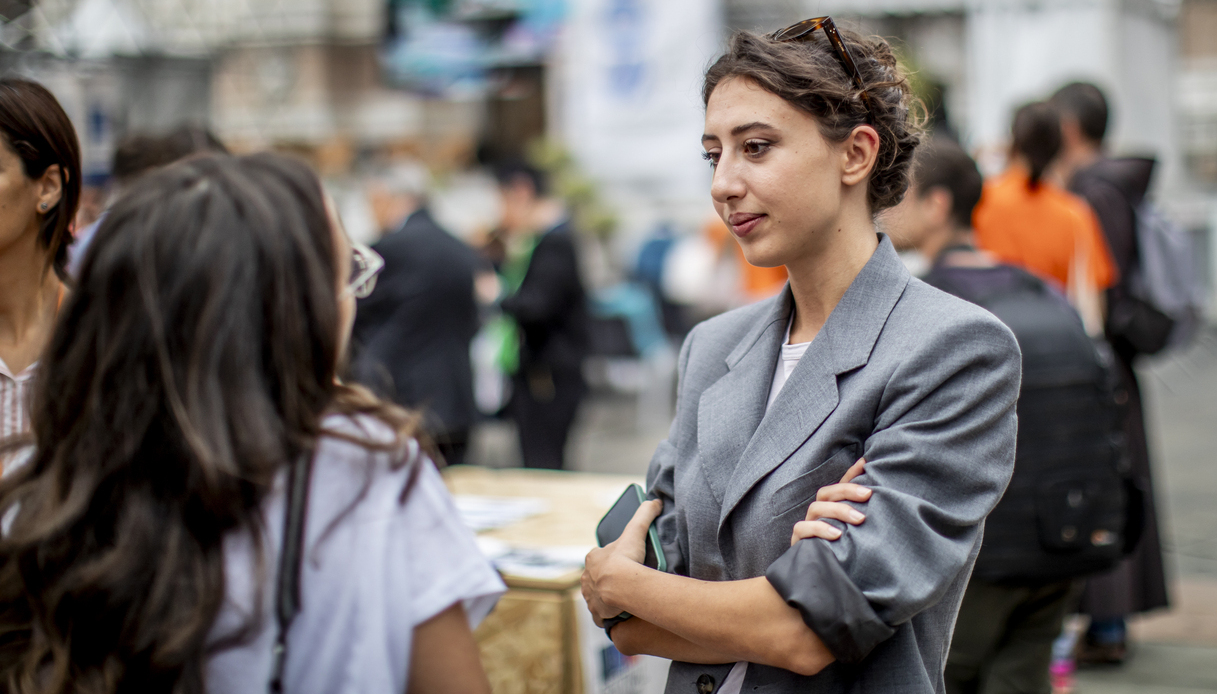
pixel 537 641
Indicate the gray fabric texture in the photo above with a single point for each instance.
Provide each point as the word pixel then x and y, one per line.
pixel 919 382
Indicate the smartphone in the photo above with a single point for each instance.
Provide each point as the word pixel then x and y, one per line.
pixel 614 522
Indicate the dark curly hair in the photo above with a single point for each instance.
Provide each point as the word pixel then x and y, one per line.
pixel 806 73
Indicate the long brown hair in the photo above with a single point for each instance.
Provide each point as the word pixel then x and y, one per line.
pixel 34 125
pixel 195 359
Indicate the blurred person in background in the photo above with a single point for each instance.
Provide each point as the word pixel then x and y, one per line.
pixel 1021 588
pixel 412 333
pixel 1025 220
pixel 39 192
pixel 543 295
pixel 1114 188
pixel 136 155
pixel 189 411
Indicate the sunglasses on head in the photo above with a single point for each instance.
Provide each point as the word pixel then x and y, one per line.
pixel 806 28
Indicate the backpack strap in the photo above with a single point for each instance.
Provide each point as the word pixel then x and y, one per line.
pixel 291 559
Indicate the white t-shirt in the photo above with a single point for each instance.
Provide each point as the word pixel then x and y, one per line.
pixel 374 568
pixel 787 360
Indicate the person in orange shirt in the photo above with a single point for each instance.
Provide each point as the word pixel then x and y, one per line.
pixel 756 282
pixel 1026 221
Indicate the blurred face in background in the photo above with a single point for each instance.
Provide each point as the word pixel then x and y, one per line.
pixel 343 260
pixel 777 179
pixel 517 201
pixel 919 217
pixel 20 198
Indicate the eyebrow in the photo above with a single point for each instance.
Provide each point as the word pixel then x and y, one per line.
pixel 740 129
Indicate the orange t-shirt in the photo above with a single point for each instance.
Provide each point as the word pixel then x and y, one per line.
pixel 1041 230
pixel 757 282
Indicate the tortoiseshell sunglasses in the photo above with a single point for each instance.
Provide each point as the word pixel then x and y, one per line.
pixel 805 28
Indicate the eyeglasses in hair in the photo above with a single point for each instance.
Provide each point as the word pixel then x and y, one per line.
pixel 365 265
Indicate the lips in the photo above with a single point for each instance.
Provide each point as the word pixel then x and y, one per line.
pixel 742 223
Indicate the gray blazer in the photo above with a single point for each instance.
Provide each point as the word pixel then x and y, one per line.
pixel 919 382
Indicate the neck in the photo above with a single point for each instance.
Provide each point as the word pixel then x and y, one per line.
pixel 1076 158
pixel 546 214
pixel 29 297
pixel 936 243
pixel 818 281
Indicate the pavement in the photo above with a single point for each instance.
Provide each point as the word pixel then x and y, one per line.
pixel 1173 651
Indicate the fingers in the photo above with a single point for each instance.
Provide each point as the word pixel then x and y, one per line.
pixel 854 470
pixel 835 510
pixel 820 529
pixel 635 532
pixel 843 491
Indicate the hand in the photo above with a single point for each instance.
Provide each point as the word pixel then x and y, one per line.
pixel 603 566
pixel 828 505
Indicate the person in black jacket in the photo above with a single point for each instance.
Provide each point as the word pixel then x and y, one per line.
pixel 412 333
pixel 1114 188
pixel 1009 617
pixel 545 298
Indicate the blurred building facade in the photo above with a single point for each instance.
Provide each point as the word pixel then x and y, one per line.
pixel 616 82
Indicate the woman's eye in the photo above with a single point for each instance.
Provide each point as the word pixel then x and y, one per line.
pixel 711 157
pixel 755 148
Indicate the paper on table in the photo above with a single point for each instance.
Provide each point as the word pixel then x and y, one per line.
pixel 541 562
pixel 480 513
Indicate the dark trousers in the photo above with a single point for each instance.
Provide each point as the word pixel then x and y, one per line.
pixel 543 404
pixel 1003 637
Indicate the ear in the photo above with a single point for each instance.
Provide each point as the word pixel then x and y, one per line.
pixel 50 188
pixel 859 152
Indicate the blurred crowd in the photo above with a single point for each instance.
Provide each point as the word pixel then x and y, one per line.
pixel 503 323
pixel 1064 224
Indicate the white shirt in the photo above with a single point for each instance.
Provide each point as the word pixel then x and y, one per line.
pixel 15 392
pixel 787 360
pixel 375 567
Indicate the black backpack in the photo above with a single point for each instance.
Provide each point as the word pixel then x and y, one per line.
pixel 1066 511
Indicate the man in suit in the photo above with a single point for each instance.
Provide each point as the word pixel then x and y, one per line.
pixel 412 333
pixel 546 301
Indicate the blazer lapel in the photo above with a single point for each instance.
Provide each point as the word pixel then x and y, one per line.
pixel 810 394
pixel 730 409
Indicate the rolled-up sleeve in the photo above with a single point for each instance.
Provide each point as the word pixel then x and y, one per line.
pixel 938 460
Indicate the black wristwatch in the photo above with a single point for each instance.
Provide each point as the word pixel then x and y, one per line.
pixel 614 621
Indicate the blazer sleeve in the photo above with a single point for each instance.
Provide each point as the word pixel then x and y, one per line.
pixel 661 475
pixel 938 461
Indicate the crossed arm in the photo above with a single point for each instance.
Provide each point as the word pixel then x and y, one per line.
pixel 710 622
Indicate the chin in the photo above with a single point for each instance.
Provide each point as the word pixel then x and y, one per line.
pixel 759 256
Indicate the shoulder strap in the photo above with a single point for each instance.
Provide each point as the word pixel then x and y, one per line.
pixel 287 584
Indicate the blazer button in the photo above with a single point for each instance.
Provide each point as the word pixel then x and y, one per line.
pixel 705 685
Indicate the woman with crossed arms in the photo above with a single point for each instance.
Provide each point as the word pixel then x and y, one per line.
pixel 810 136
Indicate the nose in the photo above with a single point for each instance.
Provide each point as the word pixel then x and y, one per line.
pixel 728 181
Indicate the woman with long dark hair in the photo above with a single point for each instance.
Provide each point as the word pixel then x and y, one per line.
pixel 777 583
pixel 144 546
pixel 39 192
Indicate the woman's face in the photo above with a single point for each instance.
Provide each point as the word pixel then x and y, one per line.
pixel 20 198
pixel 777 180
